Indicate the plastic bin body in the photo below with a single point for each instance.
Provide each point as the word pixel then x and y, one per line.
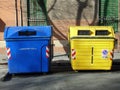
pixel 89 50
pixel 28 52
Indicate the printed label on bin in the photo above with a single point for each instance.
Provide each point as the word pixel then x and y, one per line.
pixel 28 49
pixel 104 53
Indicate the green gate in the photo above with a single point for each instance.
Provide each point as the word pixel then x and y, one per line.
pixel 108 13
pixel 36 12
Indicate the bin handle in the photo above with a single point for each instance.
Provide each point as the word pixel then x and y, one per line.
pixel 92 55
pixel 27 33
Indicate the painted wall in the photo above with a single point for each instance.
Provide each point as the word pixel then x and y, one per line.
pixel 66 13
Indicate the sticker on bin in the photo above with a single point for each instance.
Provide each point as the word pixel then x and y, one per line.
pixel 73 54
pixel 111 55
pixel 104 53
pixel 25 49
pixel 47 52
pixel 8 53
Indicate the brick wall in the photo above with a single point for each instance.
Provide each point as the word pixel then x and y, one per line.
pixel 2 45
pixel 2 26
pixel 7 18
pixel 119 17
pixel 62 15
pixel 118 33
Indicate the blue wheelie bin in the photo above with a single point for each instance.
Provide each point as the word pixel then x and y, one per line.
pixel 28 49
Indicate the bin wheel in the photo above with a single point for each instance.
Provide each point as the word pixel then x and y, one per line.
pixel 76 71
pixel 45 73
pixel 68 56
pixel 7 77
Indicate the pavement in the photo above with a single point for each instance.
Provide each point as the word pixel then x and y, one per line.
pixel 116 55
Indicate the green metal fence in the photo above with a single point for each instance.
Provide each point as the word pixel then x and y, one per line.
pixel 108 13
pixel 36 12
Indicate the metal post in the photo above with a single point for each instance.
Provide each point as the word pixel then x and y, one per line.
pixel 16 12
pixel 21 12
pixel 28 12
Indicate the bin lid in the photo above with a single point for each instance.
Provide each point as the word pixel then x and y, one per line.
pixel 91 31
pixel 27 32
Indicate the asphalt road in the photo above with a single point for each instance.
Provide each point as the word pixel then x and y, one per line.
pixel 65 81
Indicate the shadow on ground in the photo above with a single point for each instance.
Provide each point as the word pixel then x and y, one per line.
pixel 61 66
pixel 116 65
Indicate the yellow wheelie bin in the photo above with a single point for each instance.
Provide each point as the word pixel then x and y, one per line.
pixel 91 47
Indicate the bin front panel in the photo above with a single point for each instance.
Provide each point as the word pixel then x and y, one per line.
pixel 91 53
pixel 102 49
pixel 28 56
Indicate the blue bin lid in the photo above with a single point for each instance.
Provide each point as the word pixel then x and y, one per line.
pixel 27 32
